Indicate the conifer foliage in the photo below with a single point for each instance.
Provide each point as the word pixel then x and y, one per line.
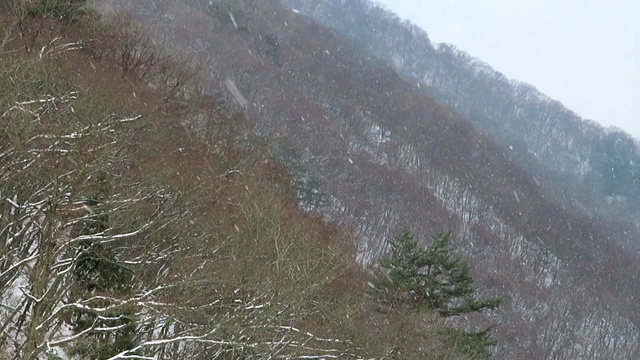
pixel 429 279
pixel 60 9
pixel 434 279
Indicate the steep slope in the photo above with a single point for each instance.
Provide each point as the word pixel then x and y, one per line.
pixel 592 170
pixel 389 156
pixel 140 220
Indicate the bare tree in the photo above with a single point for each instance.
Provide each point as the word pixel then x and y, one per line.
pixel 101 259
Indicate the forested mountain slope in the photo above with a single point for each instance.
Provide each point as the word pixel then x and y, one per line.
pixel 592 170
pixel 389 156
pixel 141 220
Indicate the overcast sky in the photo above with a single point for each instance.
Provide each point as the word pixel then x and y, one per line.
pixel 584 53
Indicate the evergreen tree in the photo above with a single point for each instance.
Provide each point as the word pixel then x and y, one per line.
pixel 429 279
pixel 97 270
pixel 60 9
pixel 434 279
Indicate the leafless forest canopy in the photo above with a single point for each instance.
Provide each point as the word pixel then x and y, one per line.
pixel 338 116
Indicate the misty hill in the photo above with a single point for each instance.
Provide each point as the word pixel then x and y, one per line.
pixel 592 170
pixel 141 218
pixel 387 155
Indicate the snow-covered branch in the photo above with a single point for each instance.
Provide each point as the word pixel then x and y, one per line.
pixel 52 49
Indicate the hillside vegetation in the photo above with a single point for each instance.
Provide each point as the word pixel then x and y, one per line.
pixel 382 154
pixel 589 169
pixel 140 219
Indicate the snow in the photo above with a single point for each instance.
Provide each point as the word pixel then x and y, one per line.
pixel 235 92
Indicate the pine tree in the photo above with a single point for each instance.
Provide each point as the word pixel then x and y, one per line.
pixel 429 279
pixel 56 8
pixel 434 279
pixel 97 270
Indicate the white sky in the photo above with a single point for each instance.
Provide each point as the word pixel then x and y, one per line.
pixel 583 53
